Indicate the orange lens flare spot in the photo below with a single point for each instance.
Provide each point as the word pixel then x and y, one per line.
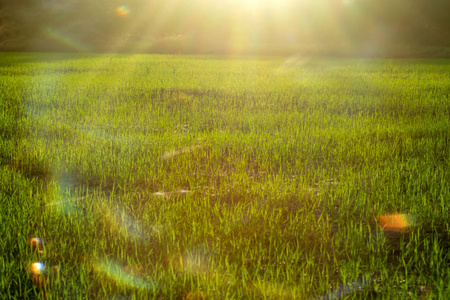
pixel 37 273
pixel 55 270
pixel 396 221
pixel 40 275
pixel 36 244
pixel 37 268
pixel 122 11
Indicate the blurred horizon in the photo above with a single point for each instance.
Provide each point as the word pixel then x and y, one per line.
pixel 366 28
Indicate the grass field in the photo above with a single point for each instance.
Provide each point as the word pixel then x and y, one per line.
pixel 201 177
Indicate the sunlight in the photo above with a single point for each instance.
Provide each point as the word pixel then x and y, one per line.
pixel 252 2
pixel 259 3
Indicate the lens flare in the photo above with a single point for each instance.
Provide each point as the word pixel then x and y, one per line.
pixel 122 11
pixel 37 273
pixel 122 222
pixel 65 40
pixel 40 275
pixel 120 275
pixel 396 222
pixel 37 268
pixel 37 244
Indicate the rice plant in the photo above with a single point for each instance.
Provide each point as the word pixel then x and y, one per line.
pixel 202 177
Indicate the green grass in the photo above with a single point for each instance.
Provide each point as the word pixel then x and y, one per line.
pixel 198 177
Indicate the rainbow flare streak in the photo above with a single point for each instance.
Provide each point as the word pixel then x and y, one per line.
pixel 396 221
pixel 60 37
pixel 118 274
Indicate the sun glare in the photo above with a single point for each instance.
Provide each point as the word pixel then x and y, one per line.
pixel 260 3
pixel 251 2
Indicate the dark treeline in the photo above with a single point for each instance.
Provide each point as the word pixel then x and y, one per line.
pixel 210 26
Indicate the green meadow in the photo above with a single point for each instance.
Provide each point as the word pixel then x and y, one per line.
pixel 208 177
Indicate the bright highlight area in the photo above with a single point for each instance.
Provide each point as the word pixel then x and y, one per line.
pixel 224 149
pixel 263 27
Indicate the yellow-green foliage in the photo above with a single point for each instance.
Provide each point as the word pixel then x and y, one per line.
pixel 214 177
